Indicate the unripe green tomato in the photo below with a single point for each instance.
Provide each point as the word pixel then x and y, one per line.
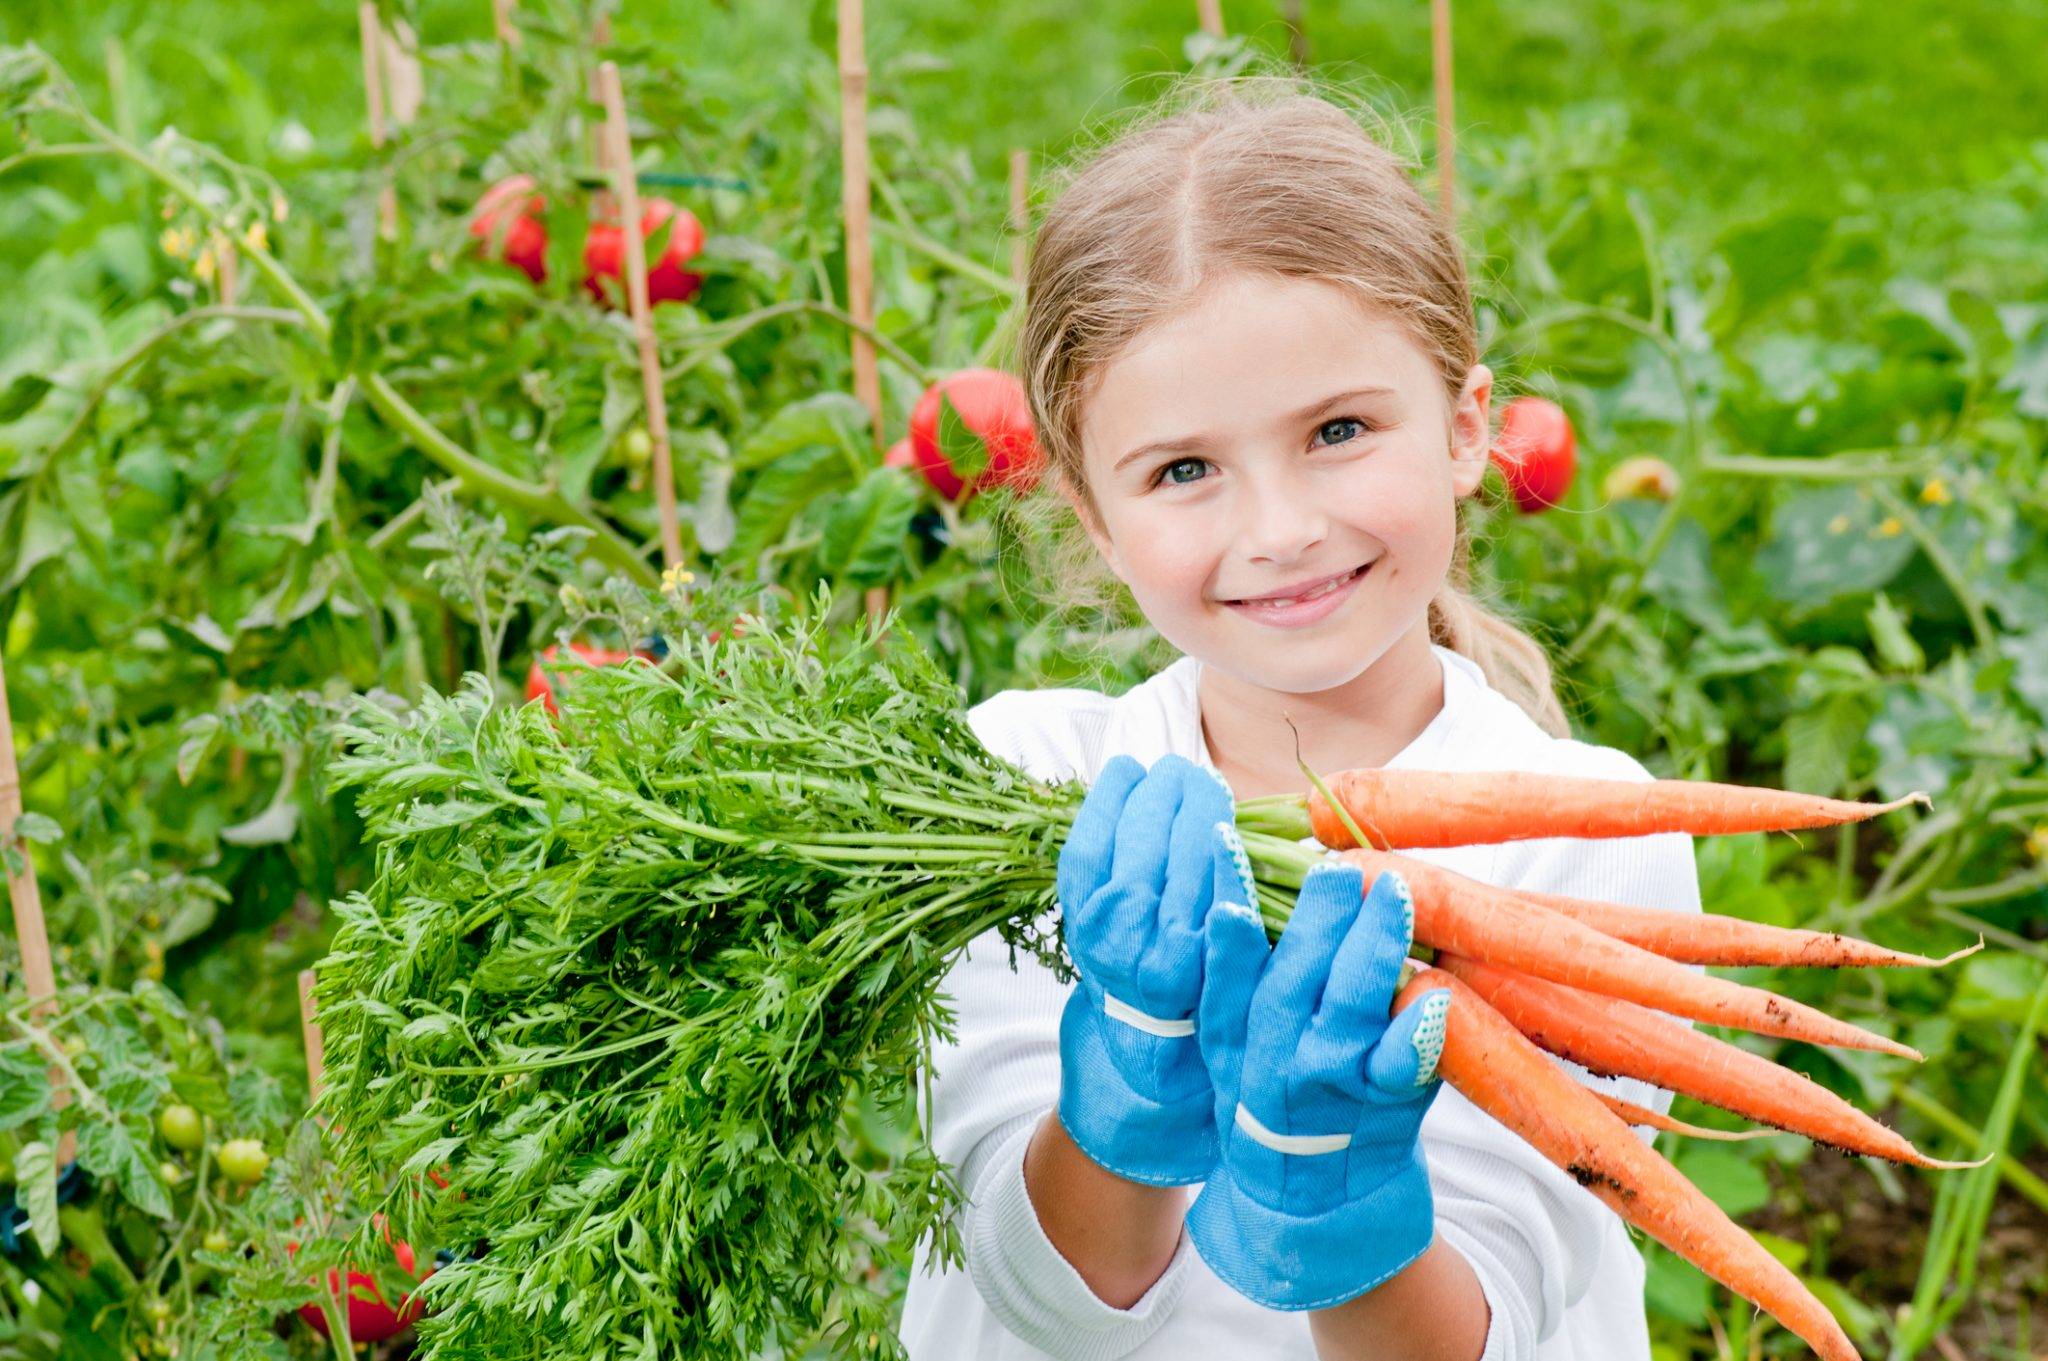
pixel 74 1045
pixel 181 1128
pixel 216 1241
pixel 170 1172
pixel 158 1309
pixel 638 446
pixel 243 1160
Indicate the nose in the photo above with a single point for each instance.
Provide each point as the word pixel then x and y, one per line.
pixel 1281 516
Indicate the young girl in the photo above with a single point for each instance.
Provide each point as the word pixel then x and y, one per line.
pixel 1251 354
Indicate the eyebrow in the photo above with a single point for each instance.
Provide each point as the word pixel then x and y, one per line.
pixel 1190 443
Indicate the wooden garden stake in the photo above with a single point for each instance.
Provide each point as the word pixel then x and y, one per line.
pixel 501 18
pixel 309 1031
pixel 27 899
pixel 1210 13
pixel 373 91
pixel 1446 135
pixel 860 255
pixel 1297 32
pixel 626 199
pixel 600 38
pixel 404 86
pixel 1020 213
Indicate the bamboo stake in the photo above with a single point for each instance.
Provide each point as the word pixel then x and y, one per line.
pixel 1446 133
pixel 29 928
pixel 1297 32
pixel 860 257
pixel 315 1041
pixel 600 38
pixel 373 91
pixel 501 18
pixel 1210 13
pixel 406 88
pixel 626 195
pixel 227 267
pixel 1020 212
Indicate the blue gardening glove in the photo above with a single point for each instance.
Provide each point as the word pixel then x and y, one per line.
pixel 1321 1192
pixel 1135 883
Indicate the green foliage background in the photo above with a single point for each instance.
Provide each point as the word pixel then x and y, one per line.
pixel 1795 252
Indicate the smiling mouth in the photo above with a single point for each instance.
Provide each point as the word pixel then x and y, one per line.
pixel 1316 592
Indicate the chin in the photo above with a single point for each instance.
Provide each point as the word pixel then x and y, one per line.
pixel 1289 667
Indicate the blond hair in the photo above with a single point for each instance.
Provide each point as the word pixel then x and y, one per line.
pixel 1247 174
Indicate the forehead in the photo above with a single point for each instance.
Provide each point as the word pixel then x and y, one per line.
pixel 1245 350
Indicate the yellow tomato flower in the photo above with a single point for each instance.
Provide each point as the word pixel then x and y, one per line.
pixel 1839 525
pixel 2037 842
pixel 1935 493
pixel 279 209
pixel 673 579
pixel 203 266
pixel 176 242
pixel 1891 527
pixel 256 236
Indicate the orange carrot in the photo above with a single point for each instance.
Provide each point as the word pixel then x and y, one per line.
pixel 1506 1076
pixel 1731 942
pixel 1619 1039
pixel 1633 1114
pixel 1400 809
pixel 1493 925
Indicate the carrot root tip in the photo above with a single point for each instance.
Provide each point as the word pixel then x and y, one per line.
pixel 1963 953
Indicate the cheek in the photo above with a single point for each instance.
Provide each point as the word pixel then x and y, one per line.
pixel 1163 556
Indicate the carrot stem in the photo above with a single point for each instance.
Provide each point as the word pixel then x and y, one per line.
pixel 1413 809
pixel 1495 926
pixel 1620 1039
pixel 1498 1070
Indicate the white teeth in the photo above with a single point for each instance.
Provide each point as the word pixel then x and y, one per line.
pixel 1322 590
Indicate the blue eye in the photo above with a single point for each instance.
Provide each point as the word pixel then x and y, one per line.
pixel 1357 428
pixel 1167 474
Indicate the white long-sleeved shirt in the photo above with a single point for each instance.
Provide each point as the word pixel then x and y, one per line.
pixel 1561 1275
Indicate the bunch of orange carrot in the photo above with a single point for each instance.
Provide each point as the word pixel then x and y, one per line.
pixel 1597 983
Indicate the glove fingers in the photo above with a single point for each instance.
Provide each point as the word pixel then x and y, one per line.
pixel 1367 970
pixel 1403 1064
pixel 1176 947
pixel 1137 874
pixel 1323 912
pixel 1235 956
pixel 1084 863
pixel 1232 868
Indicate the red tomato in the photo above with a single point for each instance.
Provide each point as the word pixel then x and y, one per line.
pixel 538 685
pixel 667 281
pixel 1536 453
pixel 526 237
pixel 370 1319
pixel 992 405
pixel 900 455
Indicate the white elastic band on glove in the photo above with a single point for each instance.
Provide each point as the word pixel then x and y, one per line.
pixel 1118 1010
pixel 1289 1143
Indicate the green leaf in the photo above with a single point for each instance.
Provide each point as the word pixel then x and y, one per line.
pixel 964 449
pixel 24 1087
pixel 1830 542
pixel 39 828
pixel 834 419
pixel 778 494
pixel 1894 641
pixel 863 538
pixel 1730 1180
pixel 22 396
pixel 115 1151
pixel 1819 742
pixel 35 1190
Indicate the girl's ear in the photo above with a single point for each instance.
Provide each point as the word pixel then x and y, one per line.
pixel 1472 431
pixel 1086 516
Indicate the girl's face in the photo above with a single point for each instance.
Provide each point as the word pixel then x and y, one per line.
pixel 1276 470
